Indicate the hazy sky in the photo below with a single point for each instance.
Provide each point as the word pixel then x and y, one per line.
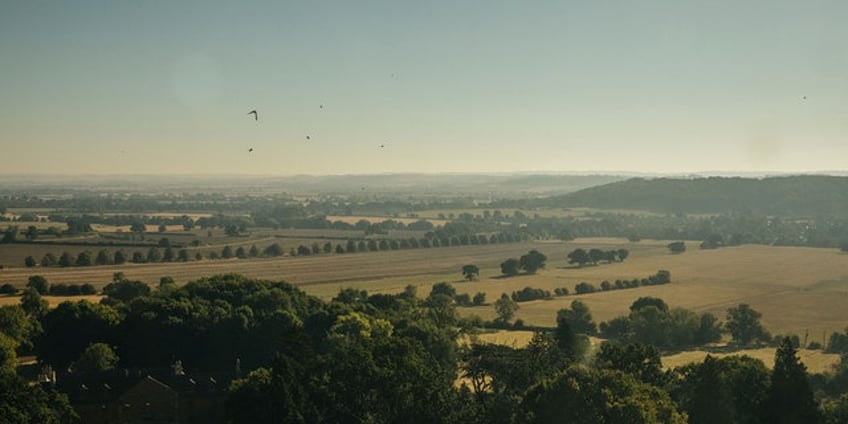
pixel 156 86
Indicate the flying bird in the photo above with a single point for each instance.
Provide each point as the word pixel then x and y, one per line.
pixel 307 137
pixel 255 114
pixel 321 107
pixel 250 150
pixel 382 145
pixel 805 97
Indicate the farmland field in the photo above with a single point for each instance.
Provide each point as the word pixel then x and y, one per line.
pixel 796 289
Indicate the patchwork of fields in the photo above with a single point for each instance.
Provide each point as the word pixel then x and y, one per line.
pixel 798 290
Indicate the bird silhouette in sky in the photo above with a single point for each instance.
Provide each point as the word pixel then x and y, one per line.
pixel 255 114
pixel 321 107
pixel 382 146
pixel 307 137
pixel 250 149
pixel 805 97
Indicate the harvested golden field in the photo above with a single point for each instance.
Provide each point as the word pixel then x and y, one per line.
pixel 796 289
pixel 816 360
pixel 52 300
pixel 386 271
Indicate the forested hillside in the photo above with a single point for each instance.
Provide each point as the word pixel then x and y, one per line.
pixel 807 195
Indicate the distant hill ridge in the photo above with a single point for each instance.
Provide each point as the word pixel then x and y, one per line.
pixel 803 195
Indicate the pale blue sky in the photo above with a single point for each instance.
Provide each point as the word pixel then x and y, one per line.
pixel 162 87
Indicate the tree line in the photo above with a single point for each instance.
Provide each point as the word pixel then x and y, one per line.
pixel 389 358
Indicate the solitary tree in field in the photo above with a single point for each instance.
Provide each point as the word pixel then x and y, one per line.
pixel 622 254
pixel 30 262
pixel 254 251
pixel 470 271
pixel 31 233
pixel 677 247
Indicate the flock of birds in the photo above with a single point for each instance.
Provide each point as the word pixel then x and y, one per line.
pixel 256 118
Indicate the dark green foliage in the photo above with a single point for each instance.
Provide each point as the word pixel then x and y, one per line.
pixel 66 259
pixel 587 396
pixel 789 398
pixel 838 342
pixel 49 259
pixel 8 289
pixel 96 357
pixel 33 304
pixel 84 259
pixel 351 295
pixel 470 271
pixel 126 290
pixel 510 266
pixel 154 255
pixel 649 301
pixel 103 257
pixel 584 287
pixel 505 308
pixel 479 299
pixel 227 252
pixel 651 322
pixel 528 293
pixel 726 390
pixel 639 360
pixel 743 322
pixel 71 327
pixel 443 288
pixel 677 247
pixel 578 318
pixel 24 403
pixel 30 262
pixel 38 283
pixel 532 261
pixel 579 257
pixel 273 250
pixel 10 235
pixel 596 255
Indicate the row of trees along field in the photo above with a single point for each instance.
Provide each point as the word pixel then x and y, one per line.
pixel 393 358
pixel 166 253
